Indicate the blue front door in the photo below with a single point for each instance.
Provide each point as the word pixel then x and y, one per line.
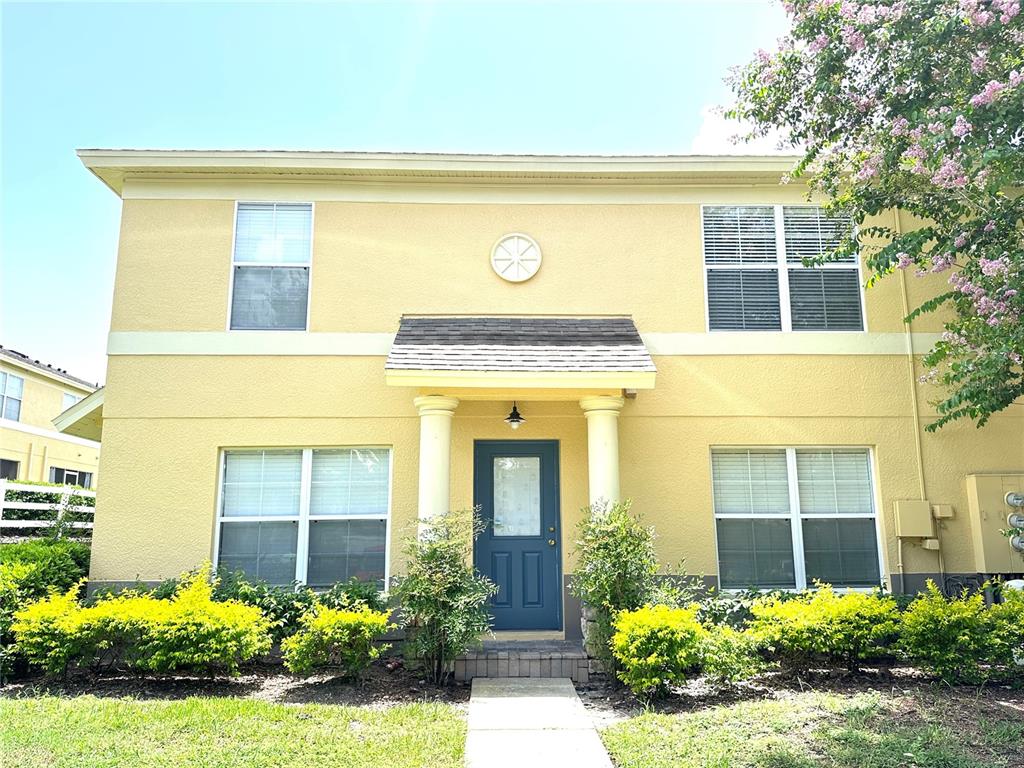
pixel 515 484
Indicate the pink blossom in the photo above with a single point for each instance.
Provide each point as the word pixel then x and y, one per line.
pixel 868 14
pixel 978 62
pixel 942 262
pixel 869 169
pixel 1007 8
pixel 991 226
pixel 1016 78
pixel 853 38
pixel 988 93
pixel 961 127
pixel 961 240
pixel 903 260
pixel 763 56
pixel 950 175
pixel 848 9
pixel 819 43
pixel 994 267
pixel 900 126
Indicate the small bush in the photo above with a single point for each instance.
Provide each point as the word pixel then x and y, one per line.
pixel 1005 622
pixel 141 632
pixel 14 593
pixel 443 598
pixel 844 628
pixel 329 637
pixel 947 637
pixel 283 606
pixel 60 563
pixel 655 647
pixel 616 568
pixel 729 655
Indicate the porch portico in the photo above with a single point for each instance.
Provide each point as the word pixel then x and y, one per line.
pixel 463 367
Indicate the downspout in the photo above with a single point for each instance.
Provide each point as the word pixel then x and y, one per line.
pixel 916 415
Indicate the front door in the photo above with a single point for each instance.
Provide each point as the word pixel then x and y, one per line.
pixel 515 484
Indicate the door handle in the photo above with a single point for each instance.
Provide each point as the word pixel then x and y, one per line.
pixel 551 542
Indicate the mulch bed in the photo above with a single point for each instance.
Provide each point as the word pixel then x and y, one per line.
pixel 385 684
pixel 609 702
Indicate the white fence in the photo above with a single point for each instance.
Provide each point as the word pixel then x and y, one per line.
pixel 61 507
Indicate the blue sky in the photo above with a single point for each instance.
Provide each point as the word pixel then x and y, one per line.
pixel 573 77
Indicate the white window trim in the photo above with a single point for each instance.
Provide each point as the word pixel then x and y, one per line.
pixel 4 397
pixel 234 264
pixel 796 518
pixel 782 266
pixel 304 517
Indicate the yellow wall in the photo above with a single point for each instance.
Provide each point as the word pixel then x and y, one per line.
pixel 40 446
pixel 166 417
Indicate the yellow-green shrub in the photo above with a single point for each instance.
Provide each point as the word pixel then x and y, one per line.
pixel 329 637
pixel 845 628
pixel 947 637
pixel 1006 634
pixel 728 655
pixel 189 631
pixel 656 646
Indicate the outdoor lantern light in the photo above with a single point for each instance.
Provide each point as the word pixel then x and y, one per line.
pixel 514 419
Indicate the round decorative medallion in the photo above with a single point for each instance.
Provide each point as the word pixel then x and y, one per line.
pixel 515 257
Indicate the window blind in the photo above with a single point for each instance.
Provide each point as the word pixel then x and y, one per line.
pixel 273 233
pixel 262 483
pixel 744 300
pixel 750 481
pixel 352 481
pixel 739 234
pixel 810 232
pixel 834 481
pixel 825 299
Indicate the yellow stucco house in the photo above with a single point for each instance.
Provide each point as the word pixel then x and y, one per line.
pixel 32 395
pixel 311 351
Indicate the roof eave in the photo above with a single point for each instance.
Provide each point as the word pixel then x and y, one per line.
pixel 84 418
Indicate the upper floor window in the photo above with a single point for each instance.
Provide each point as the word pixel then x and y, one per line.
pixel 756 280
pixel 69 400
pixel 12 389
pixel 788 517
pixel 270 266
pixel 71 477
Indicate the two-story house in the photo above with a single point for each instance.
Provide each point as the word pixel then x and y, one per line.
pixel 311 351
pixel 32 395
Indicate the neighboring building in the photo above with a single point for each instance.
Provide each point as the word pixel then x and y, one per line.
pixel 32 395
pixel 310 351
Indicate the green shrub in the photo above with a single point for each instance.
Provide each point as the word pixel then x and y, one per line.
pixel 283 606
pixel 1005 622
pixel 329 637
pixel 141 632
pixel 14 593
pixel 728 655
pixel 948 638
pixel 616 568
pixel 443 598
pixel 656 646
pixel 844 628
pixel 60 563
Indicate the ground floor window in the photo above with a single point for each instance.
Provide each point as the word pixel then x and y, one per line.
pixel 8 469
pixel 788 517
pixel 71 477
pixel 317 516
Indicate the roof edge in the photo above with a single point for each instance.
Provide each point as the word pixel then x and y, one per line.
pixel 112 166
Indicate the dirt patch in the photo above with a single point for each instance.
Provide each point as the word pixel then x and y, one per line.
pixel 384 685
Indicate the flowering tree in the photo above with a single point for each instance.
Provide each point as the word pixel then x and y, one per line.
pixel 916 105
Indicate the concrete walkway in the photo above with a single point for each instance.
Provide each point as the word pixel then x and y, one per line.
pixel 530 723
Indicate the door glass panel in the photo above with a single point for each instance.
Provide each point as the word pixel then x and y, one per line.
pixel 517 496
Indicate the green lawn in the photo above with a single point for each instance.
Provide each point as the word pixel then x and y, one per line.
pixel 88 732
pixel 814 730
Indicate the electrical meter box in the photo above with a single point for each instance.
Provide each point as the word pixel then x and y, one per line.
pixel 988 510
pixel 914 519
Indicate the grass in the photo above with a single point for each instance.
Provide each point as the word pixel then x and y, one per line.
pixel 864 730
pixel 89 732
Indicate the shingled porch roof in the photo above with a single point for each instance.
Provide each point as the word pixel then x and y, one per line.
pixel 539 351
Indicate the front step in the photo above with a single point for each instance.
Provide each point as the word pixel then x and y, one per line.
pixel 525 658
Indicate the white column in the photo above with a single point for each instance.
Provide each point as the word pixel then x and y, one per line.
pixel 602 414
pixel 436 412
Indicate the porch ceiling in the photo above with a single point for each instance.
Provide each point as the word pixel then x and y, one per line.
pixel 519 353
